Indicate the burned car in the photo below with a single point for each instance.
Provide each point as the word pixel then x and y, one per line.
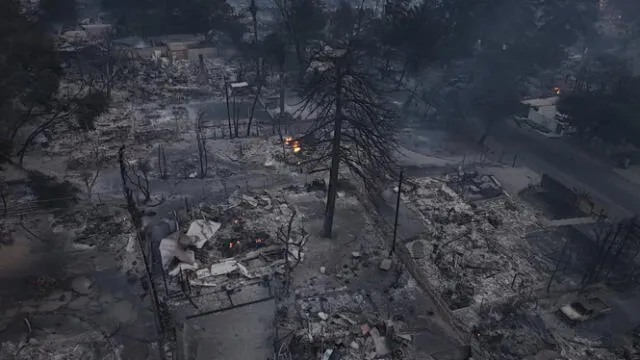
pixel 584 310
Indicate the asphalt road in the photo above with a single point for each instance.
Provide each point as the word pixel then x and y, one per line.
pixel 572 166
pixel 622 319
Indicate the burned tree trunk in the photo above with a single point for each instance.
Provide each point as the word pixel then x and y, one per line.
pixel 557 266
pixel 282 90
pixel 285 237
pixel 89 178
pixel 136 215
pixel 4 202
pixel 142 182
pixel 335 161
pixel 607 239
pixel 275 48
pixel 226 96
pixel 162 163
pixel 281 115
pixel 201 139
pixel 202 154
pixel 236 117
pixel 253 107
pixel 136 219
pixel 292 249
pixel 138 177
pixel 355 126
pixel 253 9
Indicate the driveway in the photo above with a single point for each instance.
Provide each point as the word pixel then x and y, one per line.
pixel 245 332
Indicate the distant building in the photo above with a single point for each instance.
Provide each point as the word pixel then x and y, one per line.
pixel 131 42
pixel 182 47
pixel 178 51
pixel 326 59
pixel 138 47
pixel 175 39
pixel 176 47
pixel 193 53
pixel 544 115
pixel 86 35
pixel 97 31
pixel 74 36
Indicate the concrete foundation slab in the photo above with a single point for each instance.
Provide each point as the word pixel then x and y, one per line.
pixel 241 333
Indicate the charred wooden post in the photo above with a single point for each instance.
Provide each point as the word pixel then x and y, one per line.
pixel 395 222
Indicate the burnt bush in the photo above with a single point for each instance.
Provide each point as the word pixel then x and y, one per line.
pixel 50 192
pixel 88 108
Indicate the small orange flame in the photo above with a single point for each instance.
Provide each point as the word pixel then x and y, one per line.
pixel 288 139
pixel 556 90
pixel 236 221
pixel 231 245
pixel 296 146
pixel 259 241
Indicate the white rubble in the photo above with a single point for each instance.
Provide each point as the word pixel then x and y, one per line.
pixel 203 231
pixel 223 267
pixel 171 248
pixel 182 266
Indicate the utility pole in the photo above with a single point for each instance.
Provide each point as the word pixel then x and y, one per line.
pixel 395 222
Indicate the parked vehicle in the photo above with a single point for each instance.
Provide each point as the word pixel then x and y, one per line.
pixel 584 310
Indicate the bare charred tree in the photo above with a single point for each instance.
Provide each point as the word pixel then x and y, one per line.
pixel 612 239
pixel 31 71
pixel 138 177
pixel 136 219
pixel 252 112
pixel 285 235
pixel 114 65
pixel 103 63
pixel 46 117
pixel 162 163
pixel 557 265
pixel 253 9
pixel 303 22
pixel 48 113
pixel 616 256
pixel 354 126
pixel 626 235
pixel 90 177
pixel 275 48
pixel 226 97
pixel 201 139
pixel 3 197
pixel 203 76
pixel 235 113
